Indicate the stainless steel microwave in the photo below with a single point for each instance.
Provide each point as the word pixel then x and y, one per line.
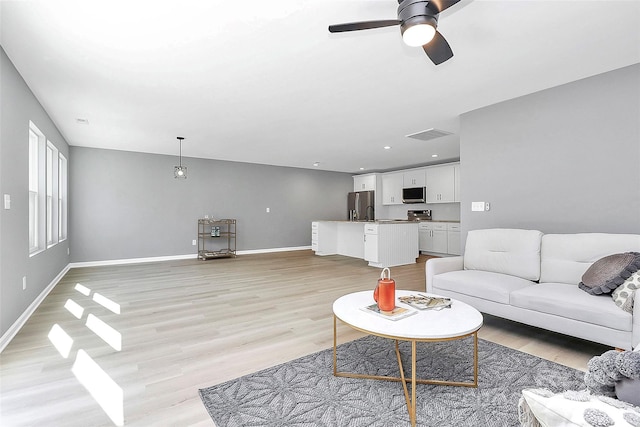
pixel 414 195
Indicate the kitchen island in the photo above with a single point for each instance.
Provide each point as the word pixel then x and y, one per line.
pixel 383 243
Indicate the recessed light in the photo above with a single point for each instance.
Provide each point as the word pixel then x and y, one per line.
pixel 434 155
pixel 82 121
pixel 361 169
pixel 387 147
pixel 316 164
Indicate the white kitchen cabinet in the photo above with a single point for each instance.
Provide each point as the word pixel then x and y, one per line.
pixel 392 188
pixel 365 182
pixel 314 236
pixel 371 252
pixel 456 190
pixel 424 237
pixel 414 178
pixel 432 237
pixel 439 237
pixel 324 236
pixel 440 184
pixel 389 244
pixel 453 239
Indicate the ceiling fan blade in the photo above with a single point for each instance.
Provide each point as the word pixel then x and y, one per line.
pixel 438 50
pixel 366 25
pixel 440 5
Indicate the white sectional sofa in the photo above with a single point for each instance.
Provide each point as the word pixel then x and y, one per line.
pixel 532 278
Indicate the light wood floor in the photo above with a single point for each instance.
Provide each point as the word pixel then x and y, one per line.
pixel 190 324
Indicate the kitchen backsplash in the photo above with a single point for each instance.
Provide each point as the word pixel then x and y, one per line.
pixel 439 211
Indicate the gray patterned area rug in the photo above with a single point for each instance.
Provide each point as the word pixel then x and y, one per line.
pixel 304 392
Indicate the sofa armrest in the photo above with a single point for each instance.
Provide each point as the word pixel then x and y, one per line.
pixel 435 266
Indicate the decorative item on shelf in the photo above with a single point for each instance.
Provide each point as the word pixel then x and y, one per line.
pixel 385 292
pixel 180 171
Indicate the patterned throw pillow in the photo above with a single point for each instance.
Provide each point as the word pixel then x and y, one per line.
pixel 623 295
pixel 541 407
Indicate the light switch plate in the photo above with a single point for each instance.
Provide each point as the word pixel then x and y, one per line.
pixel 477 206
pixel 7 201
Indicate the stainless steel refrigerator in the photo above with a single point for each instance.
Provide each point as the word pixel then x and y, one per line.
pixel 360 206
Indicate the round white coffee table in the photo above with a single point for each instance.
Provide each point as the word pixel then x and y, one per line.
pixel 457 322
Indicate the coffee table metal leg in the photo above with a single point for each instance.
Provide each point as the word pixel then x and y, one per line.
pixel 411 401
pixel 475 359
pixel 412 414
pixel 403 379
pixel 335 346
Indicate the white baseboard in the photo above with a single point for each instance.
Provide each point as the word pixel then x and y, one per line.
pixel 177 257
pixel 266 251
pixel 131 261
pixel 19 323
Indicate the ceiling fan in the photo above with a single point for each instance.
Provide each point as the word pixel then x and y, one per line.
pixel 418 20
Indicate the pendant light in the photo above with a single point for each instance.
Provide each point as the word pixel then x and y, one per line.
pixel 180 171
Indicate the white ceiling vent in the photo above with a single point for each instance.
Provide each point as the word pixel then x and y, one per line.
pixel 429 134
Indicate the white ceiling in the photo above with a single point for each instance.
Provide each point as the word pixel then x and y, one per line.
pixel 264 82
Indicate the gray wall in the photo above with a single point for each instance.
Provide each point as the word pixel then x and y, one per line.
pixel 562 160
pixel 129 205
pixel 18 105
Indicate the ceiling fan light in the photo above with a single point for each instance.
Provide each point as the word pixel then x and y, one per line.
pixel 418 35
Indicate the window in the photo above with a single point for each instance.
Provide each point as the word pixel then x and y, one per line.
pixel 62 197
pixel 48 183
pixel 36 140
pixel 51 154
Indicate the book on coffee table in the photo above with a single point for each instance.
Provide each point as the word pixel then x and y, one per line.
pixel 424 302
pixel 397 313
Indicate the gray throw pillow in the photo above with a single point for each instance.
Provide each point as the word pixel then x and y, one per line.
pixel 609 272
pixel 628 390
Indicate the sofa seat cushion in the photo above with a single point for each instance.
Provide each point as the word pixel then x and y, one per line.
pixel 482 284
pixel 569 301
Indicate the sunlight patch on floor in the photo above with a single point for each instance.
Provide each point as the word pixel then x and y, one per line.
pixel 74 308
pixel 106 303
pixel 82 289
pixel 99 384
pixel 60 340
pixel 104 331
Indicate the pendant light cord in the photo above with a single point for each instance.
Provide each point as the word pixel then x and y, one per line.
pixel 180 139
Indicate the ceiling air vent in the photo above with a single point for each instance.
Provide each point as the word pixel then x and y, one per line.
pixel 429 134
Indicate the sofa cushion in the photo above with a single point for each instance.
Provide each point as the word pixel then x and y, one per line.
pixel 509 251
pixel 566 257
pixel 481 284
pixel 568 301
pixel 609 272
pixel 624 294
